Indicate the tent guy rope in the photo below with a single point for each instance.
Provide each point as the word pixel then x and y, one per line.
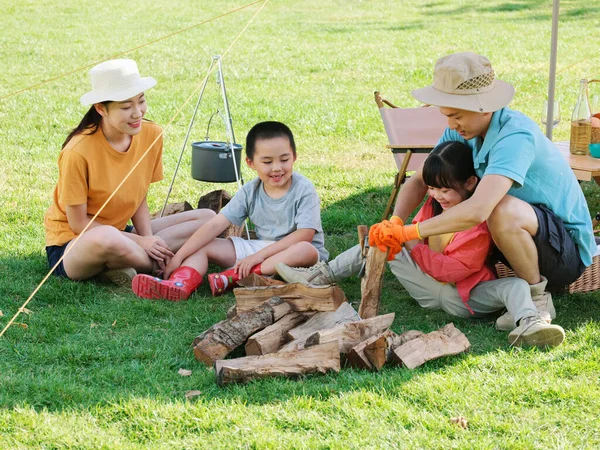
pixel 116 55
pixel 192 95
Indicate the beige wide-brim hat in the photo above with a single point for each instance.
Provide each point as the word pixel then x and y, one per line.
pixel 466 81
pixel 116 80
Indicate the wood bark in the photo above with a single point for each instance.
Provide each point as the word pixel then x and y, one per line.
pixel 351 334
pixel 372 283
pixel 344 314
pixel 270 339
pixel 172 208
pixel 446 341
pixel 380 351
pixel 214 200
pixel 222 338
pixel 317 359
pixel 254 280
pixel 300 297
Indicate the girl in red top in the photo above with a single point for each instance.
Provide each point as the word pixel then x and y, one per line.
pixel 448 271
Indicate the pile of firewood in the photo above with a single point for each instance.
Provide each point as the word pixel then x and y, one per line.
pixel 293 329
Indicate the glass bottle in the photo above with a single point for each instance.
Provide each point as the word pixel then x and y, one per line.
pixel 581 122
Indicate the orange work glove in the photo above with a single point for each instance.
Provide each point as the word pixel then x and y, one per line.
pixel 381 235
pixel 406 233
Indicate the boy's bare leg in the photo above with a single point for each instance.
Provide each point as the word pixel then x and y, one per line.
pixel 219 251
pixel 301 254
pixel 101 248
pixel 512 225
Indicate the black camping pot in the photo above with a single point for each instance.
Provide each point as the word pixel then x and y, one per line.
pixel 211 161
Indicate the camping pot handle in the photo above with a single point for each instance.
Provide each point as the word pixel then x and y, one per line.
pixel 206 138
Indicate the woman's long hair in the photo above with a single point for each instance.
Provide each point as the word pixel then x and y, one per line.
pixel 449 165
pixel 91 121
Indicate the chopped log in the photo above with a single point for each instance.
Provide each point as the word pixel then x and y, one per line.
pixel 320 321
pixel 356 356
pixel 350 334
pixel 317 359
pixel 274 336
pixel 381 350
pixel 371 283
pixel 363 232
pixel 446 341
pixel 222 338
pixel 255 279
pixel 231 312
pixel 172 208
pixel 300 297
pixel 214 200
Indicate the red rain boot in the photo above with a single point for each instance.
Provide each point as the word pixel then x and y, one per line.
pixel 225 281
pixel 183 281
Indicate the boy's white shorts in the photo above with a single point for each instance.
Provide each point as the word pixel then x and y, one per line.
pixel 244 247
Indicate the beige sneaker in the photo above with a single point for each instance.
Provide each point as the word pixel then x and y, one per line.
pixel 118 277
pixel 542 301
pixel 534 330
pixel 318 275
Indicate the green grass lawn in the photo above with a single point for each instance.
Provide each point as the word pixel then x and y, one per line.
pixel 96 367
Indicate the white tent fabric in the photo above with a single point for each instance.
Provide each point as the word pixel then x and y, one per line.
pixel 552 74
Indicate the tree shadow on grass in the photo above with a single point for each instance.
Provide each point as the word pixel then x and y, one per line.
pixel 88 344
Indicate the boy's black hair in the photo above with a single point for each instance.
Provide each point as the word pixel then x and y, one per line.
pixel 267 130
pixel 449 165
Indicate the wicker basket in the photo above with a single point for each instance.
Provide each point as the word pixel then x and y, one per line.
pixel 589 280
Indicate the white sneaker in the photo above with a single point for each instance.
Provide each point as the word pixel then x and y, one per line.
pixel 318 275
pixel 534 330
pixel 542 301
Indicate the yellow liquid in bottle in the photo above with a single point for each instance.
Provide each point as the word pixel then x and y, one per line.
pixel 580 137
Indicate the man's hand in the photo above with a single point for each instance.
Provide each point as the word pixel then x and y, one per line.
pixel 244 266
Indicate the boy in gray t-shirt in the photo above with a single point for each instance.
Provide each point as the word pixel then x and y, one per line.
pixel 284 208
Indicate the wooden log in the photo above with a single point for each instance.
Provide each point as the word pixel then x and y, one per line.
pixel 446 341
pixel 344 314
pixel 356 356
pixel 270 339
pixel 350 334
pixel 300 297
pixel 214 200
pixel 371 283
pixel 317 359
pixel 254 280
pixel 363 232
pixel 381 350
pixel 172 208
pixel 222 338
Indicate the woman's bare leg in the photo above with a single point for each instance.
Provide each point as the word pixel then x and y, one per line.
pixel 102 248
pixel 177 228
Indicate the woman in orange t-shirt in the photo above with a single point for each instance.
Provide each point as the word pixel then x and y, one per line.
pixel 98 154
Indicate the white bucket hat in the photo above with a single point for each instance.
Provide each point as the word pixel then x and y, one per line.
pixel 466 81
pixel 116 80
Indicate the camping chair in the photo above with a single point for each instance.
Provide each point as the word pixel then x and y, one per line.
pixel 409 130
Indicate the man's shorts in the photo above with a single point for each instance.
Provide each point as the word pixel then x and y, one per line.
pixel 244 247
pixel 55 252
pixel 558 256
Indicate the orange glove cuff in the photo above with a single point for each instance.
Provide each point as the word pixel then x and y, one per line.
pixel 396 220
pixel 412 232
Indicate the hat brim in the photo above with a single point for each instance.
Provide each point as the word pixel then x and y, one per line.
pixel 491 101
pixel 118 96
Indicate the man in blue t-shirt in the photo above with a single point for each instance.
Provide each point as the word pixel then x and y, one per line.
pixel 529 196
